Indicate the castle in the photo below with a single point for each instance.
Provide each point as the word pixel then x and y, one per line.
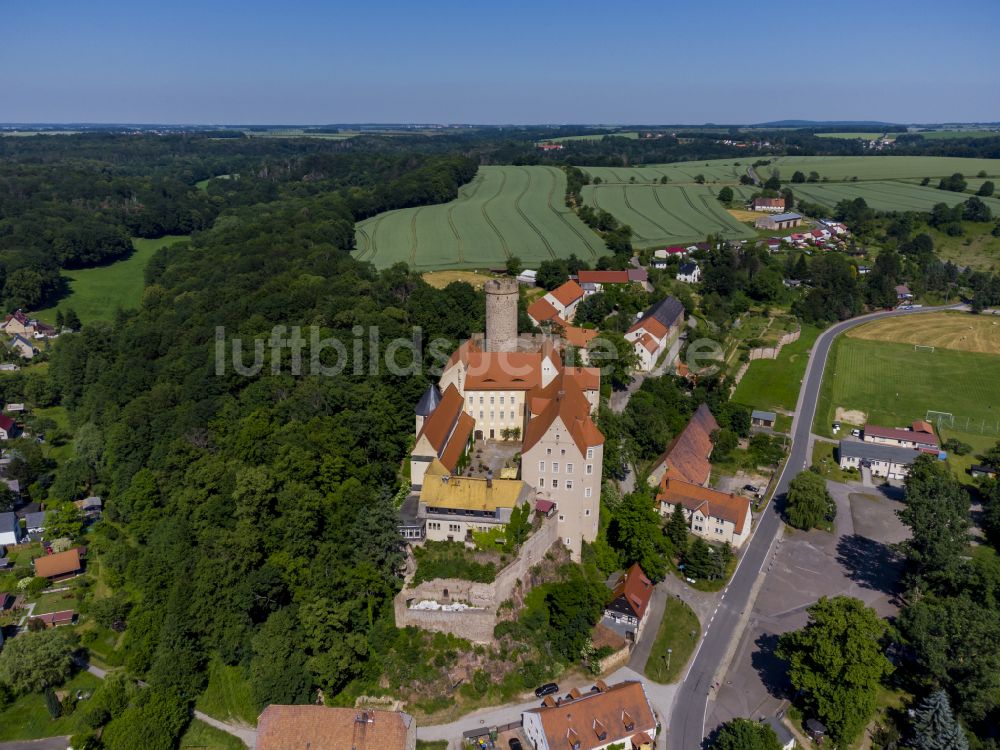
pixel 502 386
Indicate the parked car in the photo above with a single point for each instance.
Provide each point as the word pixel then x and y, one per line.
pixel 752 488
pixel 856 433
pixel 547 689
pixel 514 743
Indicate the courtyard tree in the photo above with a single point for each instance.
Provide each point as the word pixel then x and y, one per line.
pixel 935 726
pixel 808 503
pixel 744 734
pixel 837 663
pixel 35 661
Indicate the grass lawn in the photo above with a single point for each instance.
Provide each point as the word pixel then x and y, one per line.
pixel 28 719
pixel 96 293
pixel 201 735
pixel 228 694
pixel 829 468
pixel 679 621
pixel 960 464
pixel 783 424
pixel 894 384
pixel 775 383
pixel 432 744
pixel 55 601
pixel 950 330
pixel 441 279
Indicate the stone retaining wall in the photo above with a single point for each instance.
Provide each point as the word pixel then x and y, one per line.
pixel 475 624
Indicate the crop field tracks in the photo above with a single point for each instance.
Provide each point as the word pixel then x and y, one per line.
pixel 519 210
pixel 502 212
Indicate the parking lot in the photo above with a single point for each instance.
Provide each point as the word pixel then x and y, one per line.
pixel 856 560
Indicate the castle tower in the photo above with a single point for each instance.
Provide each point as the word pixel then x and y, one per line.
pixel 501 315
pixel 426 406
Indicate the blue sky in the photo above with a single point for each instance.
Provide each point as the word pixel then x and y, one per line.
pixel 515 62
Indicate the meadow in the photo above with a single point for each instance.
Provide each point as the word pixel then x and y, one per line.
pixel 894 383
pixel 937 135
pixel 502 212
pixel 632 135
pixel 851 136
pixel 883 195
pixel 97 293
pixel 667 214
pixel 775 383
pixel 713 170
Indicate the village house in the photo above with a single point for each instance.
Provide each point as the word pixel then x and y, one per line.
pixel 919 435
pixel 442 435
pixel 687 456
pixel 565 299
pixel 452 507
pixel 630 599
pixel 617 715
pixel 562 457
pixel 34 524
pixel 890 461
pixel 778 221
pixel 982 471
pixel 59 566
pixel 22 346
pixel 8 428
pixel 903 292
pixel 689 272
pixel 713 515
pixel 656 331
pixel 56 619
pixel 10 529
pixel 327 728
pixel 770 205
pixel 598 279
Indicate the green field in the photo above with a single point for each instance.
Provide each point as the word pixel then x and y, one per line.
pixel 714 170
pixel 27 718
pixel 879 167
pixel 852 136
pixel 775 383
pixel 96 293
pixel 632 135
pixel 949 134
pixel 503 211
pixel 883 195
pixel 894 384
pixel 667 214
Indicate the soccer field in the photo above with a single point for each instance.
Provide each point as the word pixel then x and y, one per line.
pixel 502 212
pixel 894 384
pixel 947 330
pixel 667 214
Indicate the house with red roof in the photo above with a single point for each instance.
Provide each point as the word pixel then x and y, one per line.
pixel 444 435
pixel 564 300
pixel 715 516
pixel 629 601
pixel 8 428
pixel 656 331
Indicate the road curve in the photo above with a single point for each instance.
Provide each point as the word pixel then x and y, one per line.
pixel 686 729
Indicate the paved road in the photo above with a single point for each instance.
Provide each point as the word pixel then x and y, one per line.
pixel 49 743
pixel 687 727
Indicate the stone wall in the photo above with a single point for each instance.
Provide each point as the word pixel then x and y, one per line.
pixel 619 658
pixel 475 624
pixel 765 352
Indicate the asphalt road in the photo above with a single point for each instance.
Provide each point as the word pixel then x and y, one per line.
pixel 686 729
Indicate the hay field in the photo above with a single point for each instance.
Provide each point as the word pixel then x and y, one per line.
pixel 947 330
pixel 441 279
pixel 502 212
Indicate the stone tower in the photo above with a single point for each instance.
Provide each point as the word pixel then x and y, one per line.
pixel 501 315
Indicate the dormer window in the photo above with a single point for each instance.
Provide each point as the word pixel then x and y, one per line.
pixel 600 730
pixel 628 721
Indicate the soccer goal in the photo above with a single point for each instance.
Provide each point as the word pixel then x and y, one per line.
pixel 923 348
pixel 941 418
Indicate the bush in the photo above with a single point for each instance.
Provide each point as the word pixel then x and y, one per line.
pixel 450 560
pixel 52 704
pixel 957 447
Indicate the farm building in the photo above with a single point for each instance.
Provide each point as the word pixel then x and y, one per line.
pixel 600 278
pixel 778 221
pixel 890 461
pixel 760 418
pixel 771 205
pixel 689 272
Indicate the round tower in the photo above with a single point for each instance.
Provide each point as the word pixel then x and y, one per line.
pixel 501 315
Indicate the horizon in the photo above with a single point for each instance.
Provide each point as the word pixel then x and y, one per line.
pixel 256 64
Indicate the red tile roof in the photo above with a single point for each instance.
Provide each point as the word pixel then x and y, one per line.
pixel 459 439
pixel 503 371
pixel 687 455
pixel 587 378
pixel 53 619
pixel 603 277
pixel 324 728
pixel 769 202
pixel 922 426
pixel 579 337
pixel 437 428
pixel 712 503
pixel 636 588
pixel 621 711
pixel 562 399
pixel 60 564
pixel 892 433
pixel 568 293
pixel 541 310
pixel 6 423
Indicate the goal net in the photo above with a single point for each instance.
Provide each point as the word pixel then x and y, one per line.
pixel 941 418
pixel 923 348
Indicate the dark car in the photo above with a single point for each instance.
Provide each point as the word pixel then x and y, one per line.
pixel 514 743
pixel 547 689
pixel 751 488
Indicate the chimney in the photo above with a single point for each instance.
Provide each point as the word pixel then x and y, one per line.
pixel 489 478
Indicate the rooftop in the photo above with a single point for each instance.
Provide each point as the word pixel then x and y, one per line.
pixel 896 454
pixel 894 433
pixel 687 455
pixel 637 589
pixel 786 217
pixel 61 563
pixel 443 490
pixel 325 728
pixel 712 503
